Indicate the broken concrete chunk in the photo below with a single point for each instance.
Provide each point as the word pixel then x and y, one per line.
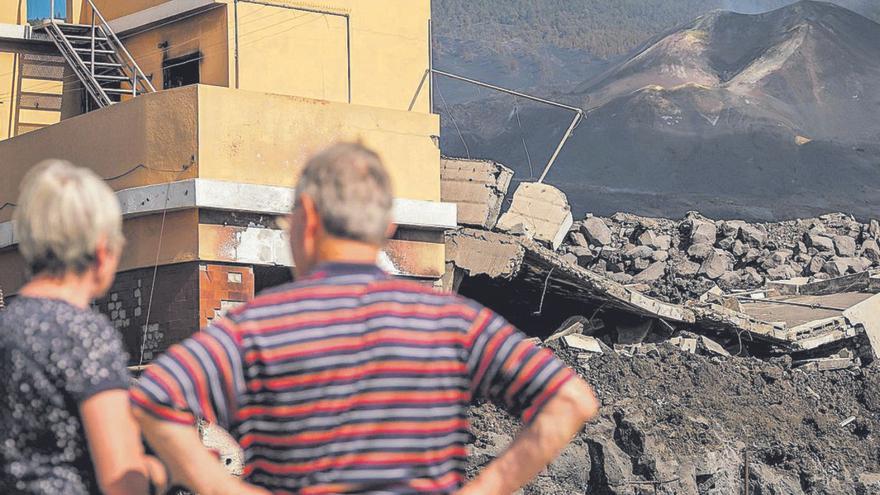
pixel 639 252
pixel 702 232
pixel 653 272
pixel 582 343
pixel 731 228
pixel 776 259
pixel 571 326
pixel 700 251
pixel 578 239
pixel 716 264
pixel 660 255
pixel 871 251
pixel 685 268
pixel 476 187
pixel 712 346
pixel 867 315
pixel 836 267
pixel 543 208
pixel 583 254
pixel 874 229
pixel 816 265
pixel 755 235
pixel 595 230
pixel 819 242
pixel 686 344
pixel 845 245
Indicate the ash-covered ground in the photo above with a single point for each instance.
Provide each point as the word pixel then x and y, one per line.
pixel 679 423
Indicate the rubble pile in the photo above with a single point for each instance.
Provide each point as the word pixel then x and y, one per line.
pixel 680 260
pixel 676 422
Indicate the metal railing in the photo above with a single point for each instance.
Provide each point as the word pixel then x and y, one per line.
pixel 133 68
pixel 140 83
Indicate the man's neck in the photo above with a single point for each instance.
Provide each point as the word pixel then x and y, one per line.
pixel 347 251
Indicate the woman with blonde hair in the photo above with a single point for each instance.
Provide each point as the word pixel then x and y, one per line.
pixel 66 426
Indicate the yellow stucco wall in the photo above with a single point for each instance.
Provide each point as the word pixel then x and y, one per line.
pixel 304 54
pixel 11 12
pixel 158 131
pixel 205 34
pixel 270 141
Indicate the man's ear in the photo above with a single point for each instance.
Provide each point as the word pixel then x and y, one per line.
pixel 391 230
pixel 311 219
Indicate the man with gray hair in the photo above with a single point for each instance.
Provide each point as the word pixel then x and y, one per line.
pixel 350 381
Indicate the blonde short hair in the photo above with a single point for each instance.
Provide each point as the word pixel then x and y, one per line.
pixel 63 211
pixel 351 190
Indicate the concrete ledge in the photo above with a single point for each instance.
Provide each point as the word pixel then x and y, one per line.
pixel 162 13
pixel 251 198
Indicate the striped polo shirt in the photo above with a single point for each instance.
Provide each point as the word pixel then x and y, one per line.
pixel 351 381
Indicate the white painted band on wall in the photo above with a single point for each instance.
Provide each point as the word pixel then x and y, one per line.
pixel 250 198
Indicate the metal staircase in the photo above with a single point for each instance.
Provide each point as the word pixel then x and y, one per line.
pixel 98 58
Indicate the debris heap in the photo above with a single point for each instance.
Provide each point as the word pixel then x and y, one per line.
pixel 680 260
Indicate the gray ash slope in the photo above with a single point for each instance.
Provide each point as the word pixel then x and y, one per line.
pixel 674 423
pixel 764 117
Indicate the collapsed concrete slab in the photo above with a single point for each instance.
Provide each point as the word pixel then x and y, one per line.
pixel 537 289
pixel 542 209
pixel 867 315
pixel 478 187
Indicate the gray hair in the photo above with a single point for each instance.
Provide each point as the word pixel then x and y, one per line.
pixel 63 211
pixel 351 190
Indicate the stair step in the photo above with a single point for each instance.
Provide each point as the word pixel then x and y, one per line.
pixel 84 38
pixel 112 78
pixel 100 51
pixel 116 91
pixel 104 64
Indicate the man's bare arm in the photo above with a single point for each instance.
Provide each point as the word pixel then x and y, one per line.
pixel 539 443
pixel 190 463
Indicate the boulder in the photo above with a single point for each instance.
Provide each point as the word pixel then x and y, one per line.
pixel 700 251
pixel 731 228
pixel 874 229
pixel 596 232
pixel 755 235
pixel 836 267
pixel 752 277
pixel 783 272
pixel 752 255
pixel 641 263
pixel 730 279
pixel 739 249
pixel 654 241
pixel 655 271
pixel 816 265
pixel 702 231
pixel 583 254
pixel 578 239
pixel 639 252
pixel 871 251
pixel 716 264
pixel 660 255
pixel 816 240
pixel 776 259
pixel 845 245
pixel 685 268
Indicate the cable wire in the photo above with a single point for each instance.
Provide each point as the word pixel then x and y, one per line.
pixel 452 117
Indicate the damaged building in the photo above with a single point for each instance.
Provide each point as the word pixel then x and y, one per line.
pixel 185 110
